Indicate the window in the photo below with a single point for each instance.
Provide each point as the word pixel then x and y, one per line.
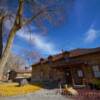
pixel 66 59
pixel 80 73
pixel 49 62
pixel 96 71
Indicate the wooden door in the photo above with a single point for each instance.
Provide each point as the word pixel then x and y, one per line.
pixel 68 77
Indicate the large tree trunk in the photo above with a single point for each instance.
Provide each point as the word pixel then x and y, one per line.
pixel 1 41
pixel 17 25
pixel 6 52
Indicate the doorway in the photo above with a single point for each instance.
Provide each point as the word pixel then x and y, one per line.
pixel 68 76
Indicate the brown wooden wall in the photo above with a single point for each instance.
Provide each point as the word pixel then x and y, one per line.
pixel 43 72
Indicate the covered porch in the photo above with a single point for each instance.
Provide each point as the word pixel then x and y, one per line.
pixel 76 73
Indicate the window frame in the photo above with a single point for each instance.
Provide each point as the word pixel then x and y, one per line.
pixel 96 70
pixel 80 73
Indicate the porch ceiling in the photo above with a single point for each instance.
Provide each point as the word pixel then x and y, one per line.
pixel 68 64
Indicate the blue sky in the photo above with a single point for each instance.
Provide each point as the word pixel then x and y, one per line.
pixel 81 29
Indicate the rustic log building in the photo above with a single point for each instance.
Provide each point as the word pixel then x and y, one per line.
pixel 76 67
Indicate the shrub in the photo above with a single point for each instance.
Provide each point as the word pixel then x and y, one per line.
pixel 96 83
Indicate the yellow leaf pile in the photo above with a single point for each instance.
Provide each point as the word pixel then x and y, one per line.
pixel 12 89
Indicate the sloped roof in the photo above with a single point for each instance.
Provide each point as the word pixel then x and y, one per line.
pixel 72 53
pixel 23 71
pixel 79 51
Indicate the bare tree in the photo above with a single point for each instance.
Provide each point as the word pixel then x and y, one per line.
pixel 3 15
pixel 14 62
pixel 31 56
pixel 39 11
pixel 1 41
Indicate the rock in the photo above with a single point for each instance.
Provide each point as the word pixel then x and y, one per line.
pixel 23 82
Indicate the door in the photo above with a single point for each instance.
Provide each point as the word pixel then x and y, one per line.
pixel 68 77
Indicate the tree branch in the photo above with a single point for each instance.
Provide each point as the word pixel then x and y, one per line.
pixel 18 19
pixel 32 18
pixel 38 14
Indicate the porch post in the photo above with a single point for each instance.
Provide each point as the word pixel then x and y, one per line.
pixel 73 83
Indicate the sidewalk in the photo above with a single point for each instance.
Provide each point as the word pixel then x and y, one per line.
pixel 43 94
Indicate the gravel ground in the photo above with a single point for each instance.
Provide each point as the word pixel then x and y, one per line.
pixel 39 95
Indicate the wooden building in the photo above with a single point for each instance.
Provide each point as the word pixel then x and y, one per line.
pixel 75 67
pixel 23 73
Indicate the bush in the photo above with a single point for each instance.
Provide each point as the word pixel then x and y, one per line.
pixel 96 83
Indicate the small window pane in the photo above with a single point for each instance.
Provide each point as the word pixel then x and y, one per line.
pixel 96 71
pixel 80 73
pixel 96 68
pixel 97 74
